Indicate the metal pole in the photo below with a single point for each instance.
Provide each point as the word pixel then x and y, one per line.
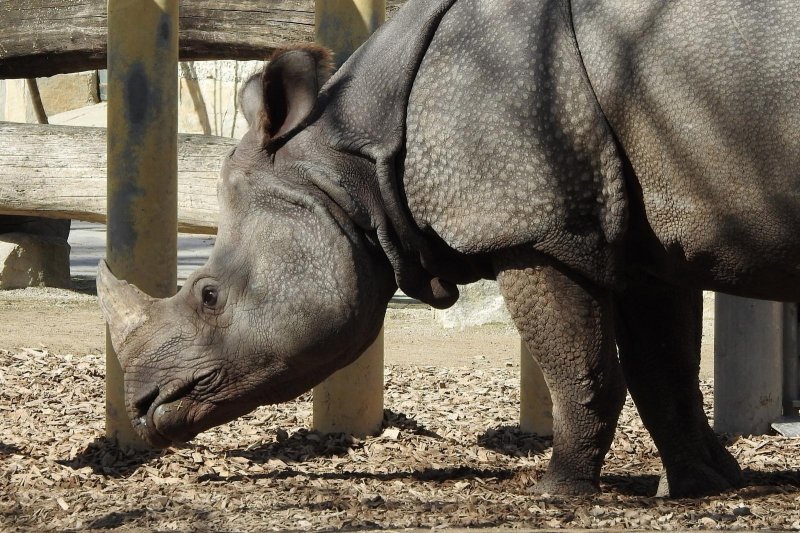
pixel 142 166
pixel 535 404
pixel 748 364
pixel 791 375
pixel 351 400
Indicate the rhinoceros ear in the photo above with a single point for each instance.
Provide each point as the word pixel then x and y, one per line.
pixel 251 99
pixel 290 84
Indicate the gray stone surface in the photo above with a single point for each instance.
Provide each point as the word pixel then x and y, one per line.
pixel 28 260
pixel 478 304
pixel 65 92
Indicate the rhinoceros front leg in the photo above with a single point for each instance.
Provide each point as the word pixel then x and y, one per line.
pixel 659 330
pixel 567 325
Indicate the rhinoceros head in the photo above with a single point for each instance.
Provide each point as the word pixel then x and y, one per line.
pixel 292 290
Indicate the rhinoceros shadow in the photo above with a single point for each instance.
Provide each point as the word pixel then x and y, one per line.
pixel 642 485
pixel 304 444
pixel 104 457
pixel 116 519
pixel 8 449
pixel 512 441
pixel 758 482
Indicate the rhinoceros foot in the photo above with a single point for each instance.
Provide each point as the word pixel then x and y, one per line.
pixel 701 480
pixel 712 472
pixel 552 483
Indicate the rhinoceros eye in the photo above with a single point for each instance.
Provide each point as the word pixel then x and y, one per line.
pixel 209 295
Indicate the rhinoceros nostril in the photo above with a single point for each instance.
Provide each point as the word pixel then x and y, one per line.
pixel 144 400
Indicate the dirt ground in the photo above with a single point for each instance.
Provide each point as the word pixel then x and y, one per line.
pixel 70 322
pixel 450 453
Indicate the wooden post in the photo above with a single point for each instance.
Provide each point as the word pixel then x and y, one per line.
pixel 15 104
pixel 36 101
pixel 351 400
pixel 748 364
pixel 535 404
pixel 142 166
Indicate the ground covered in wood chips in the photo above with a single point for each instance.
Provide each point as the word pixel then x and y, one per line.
pixel 449 455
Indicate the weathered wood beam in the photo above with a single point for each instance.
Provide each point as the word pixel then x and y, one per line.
pixel 46 37
pixel 60 172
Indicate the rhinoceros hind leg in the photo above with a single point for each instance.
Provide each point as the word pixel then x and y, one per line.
pixel 659 330
pixel 568 327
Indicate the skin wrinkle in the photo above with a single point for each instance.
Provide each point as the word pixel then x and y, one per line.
pixel 212 388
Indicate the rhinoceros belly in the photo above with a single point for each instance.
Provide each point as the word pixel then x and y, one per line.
pixel 705 103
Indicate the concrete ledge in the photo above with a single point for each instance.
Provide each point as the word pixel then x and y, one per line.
pixel 33 260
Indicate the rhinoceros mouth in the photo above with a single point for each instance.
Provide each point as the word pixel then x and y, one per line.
pixel 159 404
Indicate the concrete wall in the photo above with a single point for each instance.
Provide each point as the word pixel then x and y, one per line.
pixel 60 93
pixel 478 304
pixel 66 92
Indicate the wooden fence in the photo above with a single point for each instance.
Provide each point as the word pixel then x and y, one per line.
pixel 43 38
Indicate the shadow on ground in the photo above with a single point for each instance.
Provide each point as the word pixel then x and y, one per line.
pixel 758 483
pixel 640 485
pixel 512 441
pixel 8 449
pixel 104 457
pixel 116 519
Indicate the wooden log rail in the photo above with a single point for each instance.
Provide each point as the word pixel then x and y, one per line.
pixel 43 37
pixel 60 172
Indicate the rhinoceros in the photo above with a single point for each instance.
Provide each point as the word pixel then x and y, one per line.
pixel 604 161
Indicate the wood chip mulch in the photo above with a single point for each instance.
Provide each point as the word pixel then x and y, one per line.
pixel 450 455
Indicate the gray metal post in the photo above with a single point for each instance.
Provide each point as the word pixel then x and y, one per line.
pixel 748 364
pixel 791 361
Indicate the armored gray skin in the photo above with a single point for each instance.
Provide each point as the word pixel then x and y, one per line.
pixel 604 161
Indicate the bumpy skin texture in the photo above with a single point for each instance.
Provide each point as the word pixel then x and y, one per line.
pixel 283 316
pixel 568 326
pixel 506 144
pixel 604 160
pixel 704 101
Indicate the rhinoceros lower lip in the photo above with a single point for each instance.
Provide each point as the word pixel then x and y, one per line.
pixel 167 403
pixel 161 417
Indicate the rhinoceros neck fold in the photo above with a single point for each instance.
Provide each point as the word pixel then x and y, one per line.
pixel 369 195
pixel 361 117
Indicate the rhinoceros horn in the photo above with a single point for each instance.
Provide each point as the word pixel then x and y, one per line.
pixel 124 306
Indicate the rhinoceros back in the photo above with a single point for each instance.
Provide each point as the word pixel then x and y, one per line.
pixel 705 100
pixel 505 143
